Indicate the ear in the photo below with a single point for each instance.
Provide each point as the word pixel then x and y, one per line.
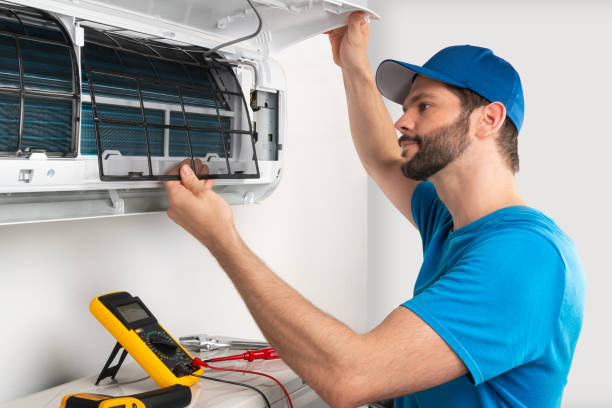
pixel 491 119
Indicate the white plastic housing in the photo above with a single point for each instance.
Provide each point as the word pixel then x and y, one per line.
pixel 41 188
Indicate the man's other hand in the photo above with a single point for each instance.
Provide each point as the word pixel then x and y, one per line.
pixel 350 43
pixel 197 208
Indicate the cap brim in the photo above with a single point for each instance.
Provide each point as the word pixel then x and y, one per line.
pixel 394 79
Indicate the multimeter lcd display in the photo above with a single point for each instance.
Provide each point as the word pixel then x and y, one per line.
pixel 132 312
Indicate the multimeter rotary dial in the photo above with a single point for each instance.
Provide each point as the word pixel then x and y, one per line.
pixel 166 349
pixel 162 345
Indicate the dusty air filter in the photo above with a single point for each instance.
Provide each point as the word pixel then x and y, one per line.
pixel 148 104
pixel 39 89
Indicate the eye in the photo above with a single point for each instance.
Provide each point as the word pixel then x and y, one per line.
pixel 423 106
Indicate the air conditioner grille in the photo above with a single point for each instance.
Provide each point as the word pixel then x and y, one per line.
pixel 39 91
pixel 202 142
pixel 46 66
pixel 45 123
pixel 188 107
pixel 126 139
pixel 9 122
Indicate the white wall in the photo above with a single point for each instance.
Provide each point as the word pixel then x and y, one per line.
pixel 562 51
pixel 312 232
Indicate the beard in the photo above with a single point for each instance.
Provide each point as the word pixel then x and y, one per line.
pixel 437 149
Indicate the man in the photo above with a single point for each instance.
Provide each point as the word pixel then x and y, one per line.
pixel 497 306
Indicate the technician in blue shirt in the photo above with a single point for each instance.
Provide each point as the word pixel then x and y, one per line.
pixel 497 306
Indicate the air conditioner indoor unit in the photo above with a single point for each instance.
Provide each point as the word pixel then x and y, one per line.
pixel 100 99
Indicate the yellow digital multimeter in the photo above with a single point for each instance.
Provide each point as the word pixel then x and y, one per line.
pixel 140 334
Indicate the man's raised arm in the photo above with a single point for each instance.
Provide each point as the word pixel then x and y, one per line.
pixel 371 125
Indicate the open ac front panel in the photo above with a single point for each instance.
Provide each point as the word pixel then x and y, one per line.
pixel 93 117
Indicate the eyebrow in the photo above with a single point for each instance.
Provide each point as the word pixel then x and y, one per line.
pixel 418 97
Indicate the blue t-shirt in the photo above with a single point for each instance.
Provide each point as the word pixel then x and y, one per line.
pixel 506 293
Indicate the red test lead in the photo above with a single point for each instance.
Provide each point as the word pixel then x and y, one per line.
pixel 271 355
pixel 264 354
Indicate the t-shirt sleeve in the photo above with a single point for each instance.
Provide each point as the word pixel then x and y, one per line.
pixel 428 211
pixel 498 306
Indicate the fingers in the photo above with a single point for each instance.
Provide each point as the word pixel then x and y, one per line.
pixel 356 21
pixel 356 17
pixel 174 171
pixel 337 32
pixel 198 166
pixel 172 184
pixel 191 181
pixel 201 168
pixel 208 184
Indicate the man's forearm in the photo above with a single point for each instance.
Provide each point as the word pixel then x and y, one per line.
pixel 313 343
pixel 346 369
pixel 371 125
pixel 375 138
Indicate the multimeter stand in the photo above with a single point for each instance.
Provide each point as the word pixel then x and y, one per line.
pixel 109 371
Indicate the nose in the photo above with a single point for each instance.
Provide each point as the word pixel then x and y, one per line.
pixel 405 124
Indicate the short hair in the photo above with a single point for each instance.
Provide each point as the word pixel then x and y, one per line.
pixel 507 142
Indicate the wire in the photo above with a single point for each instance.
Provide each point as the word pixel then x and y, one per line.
pixel 236 383
pixel 255 34
pixel 198 362
pixel 115 383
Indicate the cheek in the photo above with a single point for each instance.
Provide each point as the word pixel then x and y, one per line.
pixel 436 119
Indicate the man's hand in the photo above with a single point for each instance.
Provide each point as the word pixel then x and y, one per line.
pixel 350 43
pixel 198 209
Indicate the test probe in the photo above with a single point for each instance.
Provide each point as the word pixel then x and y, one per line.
pixel 266 354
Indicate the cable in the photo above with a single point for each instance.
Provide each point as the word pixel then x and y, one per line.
pixel 236 383
pixel 197 362
pixel 255 34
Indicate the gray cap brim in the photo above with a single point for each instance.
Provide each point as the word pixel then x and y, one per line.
pixel 394 79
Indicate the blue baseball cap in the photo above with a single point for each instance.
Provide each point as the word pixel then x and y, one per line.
pixel 464 66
